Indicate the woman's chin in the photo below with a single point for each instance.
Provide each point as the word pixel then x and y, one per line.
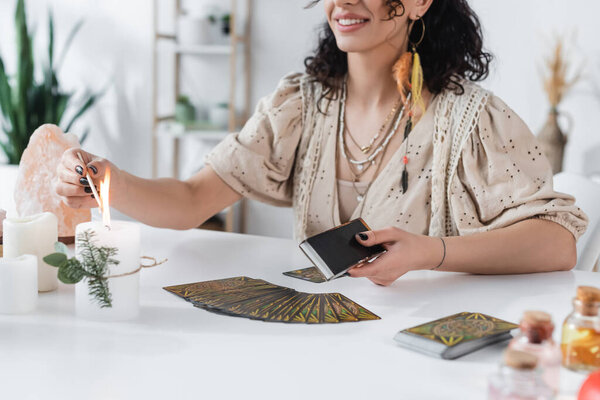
pixel 352 46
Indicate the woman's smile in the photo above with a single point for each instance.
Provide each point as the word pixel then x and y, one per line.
pixel 347 22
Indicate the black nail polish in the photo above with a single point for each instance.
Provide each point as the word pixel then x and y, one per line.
pixel 79 170
pixel 92 196
pixel 94 169
pixel 363 236
pixel 87 189
pixel 84 181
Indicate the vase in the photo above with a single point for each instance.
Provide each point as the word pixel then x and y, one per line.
pixel 193 30
pixel 219 116
pixel 553 141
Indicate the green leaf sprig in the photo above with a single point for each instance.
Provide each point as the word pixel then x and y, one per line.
pixel 94 265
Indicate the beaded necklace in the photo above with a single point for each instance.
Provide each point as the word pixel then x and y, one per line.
pixel 379 149
pixel 366 149
pixel 373 157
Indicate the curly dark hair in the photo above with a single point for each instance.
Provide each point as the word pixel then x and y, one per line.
pixel 451 50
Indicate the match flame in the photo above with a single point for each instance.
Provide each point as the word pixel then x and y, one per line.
pixel 104 196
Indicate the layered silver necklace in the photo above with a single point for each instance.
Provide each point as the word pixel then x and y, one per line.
pixel 363 165
pixel 360 164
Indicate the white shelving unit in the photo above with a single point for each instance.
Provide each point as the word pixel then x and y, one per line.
pixel 238 52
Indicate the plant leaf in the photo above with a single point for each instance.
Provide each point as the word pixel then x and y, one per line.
pixel 71 272
pixel 55 259
pixel 5 93
pixel 24 81
pixel 86 105
pixel 99 291
pixel 50 40
pixel 84 135
pixel 61 100
pixel 60 247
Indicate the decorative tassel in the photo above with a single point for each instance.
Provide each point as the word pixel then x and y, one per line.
pixel 416 82
pixel 404 180
pixel 408 127
pixel 401 73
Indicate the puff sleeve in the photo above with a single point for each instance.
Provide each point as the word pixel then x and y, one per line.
pixel 503 178
pixel 258 161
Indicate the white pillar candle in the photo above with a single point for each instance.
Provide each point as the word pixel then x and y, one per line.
pixel 125 237
pixel 18 284
pixel 35 235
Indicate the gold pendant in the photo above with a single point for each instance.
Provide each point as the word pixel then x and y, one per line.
pixel 365 149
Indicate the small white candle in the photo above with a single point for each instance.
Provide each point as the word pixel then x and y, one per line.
pixel 125 237
pixel 18 284
pixel 35 235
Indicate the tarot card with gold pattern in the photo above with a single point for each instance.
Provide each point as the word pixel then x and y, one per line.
pixel 311 274
pixel 453 336
pixel 258 299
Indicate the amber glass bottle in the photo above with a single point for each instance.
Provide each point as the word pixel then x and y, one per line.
pixel 580 343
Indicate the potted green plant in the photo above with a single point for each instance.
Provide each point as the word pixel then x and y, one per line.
pixel 185 113
pixel 226 24
pixel 27 103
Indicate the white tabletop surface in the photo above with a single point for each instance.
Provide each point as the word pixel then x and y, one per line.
pixel 176 351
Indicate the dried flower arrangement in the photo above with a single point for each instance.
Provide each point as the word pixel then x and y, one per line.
pixel 558 79
pixel 558 66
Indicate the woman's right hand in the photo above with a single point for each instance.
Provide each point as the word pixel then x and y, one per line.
pixel 73 186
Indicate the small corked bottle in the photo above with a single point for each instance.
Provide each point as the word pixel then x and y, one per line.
pixel 580 342
pixel 535 337
pixel 518 379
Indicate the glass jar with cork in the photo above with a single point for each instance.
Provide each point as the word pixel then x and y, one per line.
pixel 535 337
pixel 518 379
pixel 580 343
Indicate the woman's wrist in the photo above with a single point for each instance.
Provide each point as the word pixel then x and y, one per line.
pixel 119 186
pixel 434 253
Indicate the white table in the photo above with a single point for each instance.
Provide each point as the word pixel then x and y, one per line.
pixel 176 351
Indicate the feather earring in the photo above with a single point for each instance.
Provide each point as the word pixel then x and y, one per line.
pixel 416 82
pixel 402 74
pixel 409 64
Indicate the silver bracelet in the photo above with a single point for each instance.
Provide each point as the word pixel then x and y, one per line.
pixel 443 257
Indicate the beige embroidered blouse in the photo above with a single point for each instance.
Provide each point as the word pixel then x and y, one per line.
pixel 285 156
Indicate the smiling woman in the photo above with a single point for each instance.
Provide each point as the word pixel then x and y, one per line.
pixel 451 49
pixel 385 124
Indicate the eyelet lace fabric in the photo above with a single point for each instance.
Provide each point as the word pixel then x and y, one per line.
pixel 456 118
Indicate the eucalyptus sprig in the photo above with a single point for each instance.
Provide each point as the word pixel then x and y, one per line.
pixel 94 265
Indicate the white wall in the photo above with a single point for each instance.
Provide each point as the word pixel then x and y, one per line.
pixel 115 46
pixel 520 34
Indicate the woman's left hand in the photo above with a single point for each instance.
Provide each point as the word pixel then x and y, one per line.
pixel 405 252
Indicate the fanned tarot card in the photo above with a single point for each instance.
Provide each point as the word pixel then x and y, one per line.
pixel 311 274
pixel 258 299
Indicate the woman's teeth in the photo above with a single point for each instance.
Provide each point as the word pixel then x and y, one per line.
pixel 348 22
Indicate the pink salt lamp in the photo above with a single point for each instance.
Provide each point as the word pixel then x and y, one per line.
pixel 35 189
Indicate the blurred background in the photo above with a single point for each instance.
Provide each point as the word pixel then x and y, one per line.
pixel 160 82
